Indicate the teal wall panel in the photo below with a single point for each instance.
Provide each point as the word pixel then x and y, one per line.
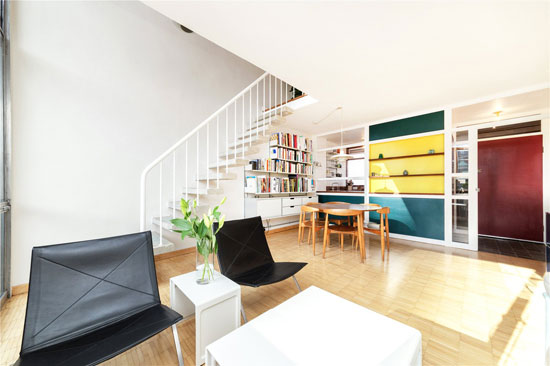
pixel 422 217
pixel 358 198
pixel 407 126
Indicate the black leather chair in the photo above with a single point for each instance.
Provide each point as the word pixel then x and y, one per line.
pixel 92 300
pixel 244 255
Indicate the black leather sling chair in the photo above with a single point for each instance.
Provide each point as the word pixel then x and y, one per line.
pixel 245 258
pixel 92 300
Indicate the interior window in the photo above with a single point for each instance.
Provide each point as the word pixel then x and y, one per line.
pixel 356 168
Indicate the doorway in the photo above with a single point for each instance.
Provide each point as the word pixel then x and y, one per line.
pixel 510 200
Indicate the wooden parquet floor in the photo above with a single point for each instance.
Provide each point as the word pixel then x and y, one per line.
pixel 472 308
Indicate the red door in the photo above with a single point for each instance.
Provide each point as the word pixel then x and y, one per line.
pixel 510 182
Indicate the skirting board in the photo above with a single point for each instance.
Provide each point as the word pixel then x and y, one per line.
pixel 417 238
pixel 279 229
pixel 20 289
pixel 174 253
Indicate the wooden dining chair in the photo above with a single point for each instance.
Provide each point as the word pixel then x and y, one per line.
pixel 352 230
pixel 336 221
pixel 340 221
pixel 314 224
pixel 383 230
pixel 375 205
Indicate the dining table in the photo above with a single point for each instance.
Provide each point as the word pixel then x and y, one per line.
pixel 323 207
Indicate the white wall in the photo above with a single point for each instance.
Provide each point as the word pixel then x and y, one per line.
pixel 100 89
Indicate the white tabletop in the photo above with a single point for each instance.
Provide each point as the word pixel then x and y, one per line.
pixel 316 327
pixel 203 294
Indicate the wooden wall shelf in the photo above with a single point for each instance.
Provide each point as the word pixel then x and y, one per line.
pixel 291 148
pixel 408 175
pixel 406 156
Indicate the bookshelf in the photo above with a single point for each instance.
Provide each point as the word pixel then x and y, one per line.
pixel 287 171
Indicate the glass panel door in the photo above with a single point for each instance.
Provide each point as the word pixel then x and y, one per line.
pixel 4 151
pixel 464 188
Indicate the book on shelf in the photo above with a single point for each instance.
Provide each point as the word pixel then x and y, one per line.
pixel 292 184
pixel 263 184
pixel 281 166
pixel 291 141
pixel 286 154
pixel 251 184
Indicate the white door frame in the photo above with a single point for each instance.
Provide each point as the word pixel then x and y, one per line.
pixel 472 174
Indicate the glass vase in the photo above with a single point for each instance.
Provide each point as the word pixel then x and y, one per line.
pixel 205 268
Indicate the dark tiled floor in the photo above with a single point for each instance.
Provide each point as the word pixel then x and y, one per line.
pixel 513 248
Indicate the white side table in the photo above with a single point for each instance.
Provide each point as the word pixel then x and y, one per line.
pixel 216 307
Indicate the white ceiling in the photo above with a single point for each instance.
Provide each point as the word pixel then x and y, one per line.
pixel 380 59
pixel 518 105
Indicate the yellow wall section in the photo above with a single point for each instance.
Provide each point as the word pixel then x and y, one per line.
pixel 425 185
pixel 418 165
pixel 414 146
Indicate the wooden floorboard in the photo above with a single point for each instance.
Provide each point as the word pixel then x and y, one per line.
pixel 472 308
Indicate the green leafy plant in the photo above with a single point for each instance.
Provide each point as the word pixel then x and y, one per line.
pixel 201 229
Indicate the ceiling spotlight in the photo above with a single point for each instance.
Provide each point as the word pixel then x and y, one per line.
pixel 185 29
pixel 497 113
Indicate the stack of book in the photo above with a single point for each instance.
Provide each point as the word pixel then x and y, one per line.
pixel 281 166
pixel 291 140
pixel 287 154
pixel 263 184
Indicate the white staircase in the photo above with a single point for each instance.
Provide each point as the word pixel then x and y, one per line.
pixel 197 166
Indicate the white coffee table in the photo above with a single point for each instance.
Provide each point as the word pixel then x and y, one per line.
pixel 316 327
pixel 216 307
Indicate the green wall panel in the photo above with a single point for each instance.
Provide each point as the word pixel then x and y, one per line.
pixel 422 217
pixel 407 126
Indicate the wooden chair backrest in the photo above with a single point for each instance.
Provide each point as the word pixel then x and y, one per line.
pixel 384 210
pixel 337 203
pixel 342 212
pixel 306 208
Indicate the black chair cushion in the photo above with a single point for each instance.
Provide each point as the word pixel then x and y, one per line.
pixel 242 246
pixel 89 301
pixel 76 288
pixel 269 273
pixel 244 255
pixel 105 343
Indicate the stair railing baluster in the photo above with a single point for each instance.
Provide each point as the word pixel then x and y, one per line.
pixel 186 170
pixel 275 109
pixel 235 129
pixel 257 107
pixel 174 184
pixel 263 107
pixel 269 109
pixel 249 118
pixel 198 197
pixel 281 96
pixel 207 156
pixel 226 139
pixel 160 202
pixel 217 151
pixel 243 132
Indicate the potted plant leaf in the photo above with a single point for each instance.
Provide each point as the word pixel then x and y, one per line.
pixel 202 230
